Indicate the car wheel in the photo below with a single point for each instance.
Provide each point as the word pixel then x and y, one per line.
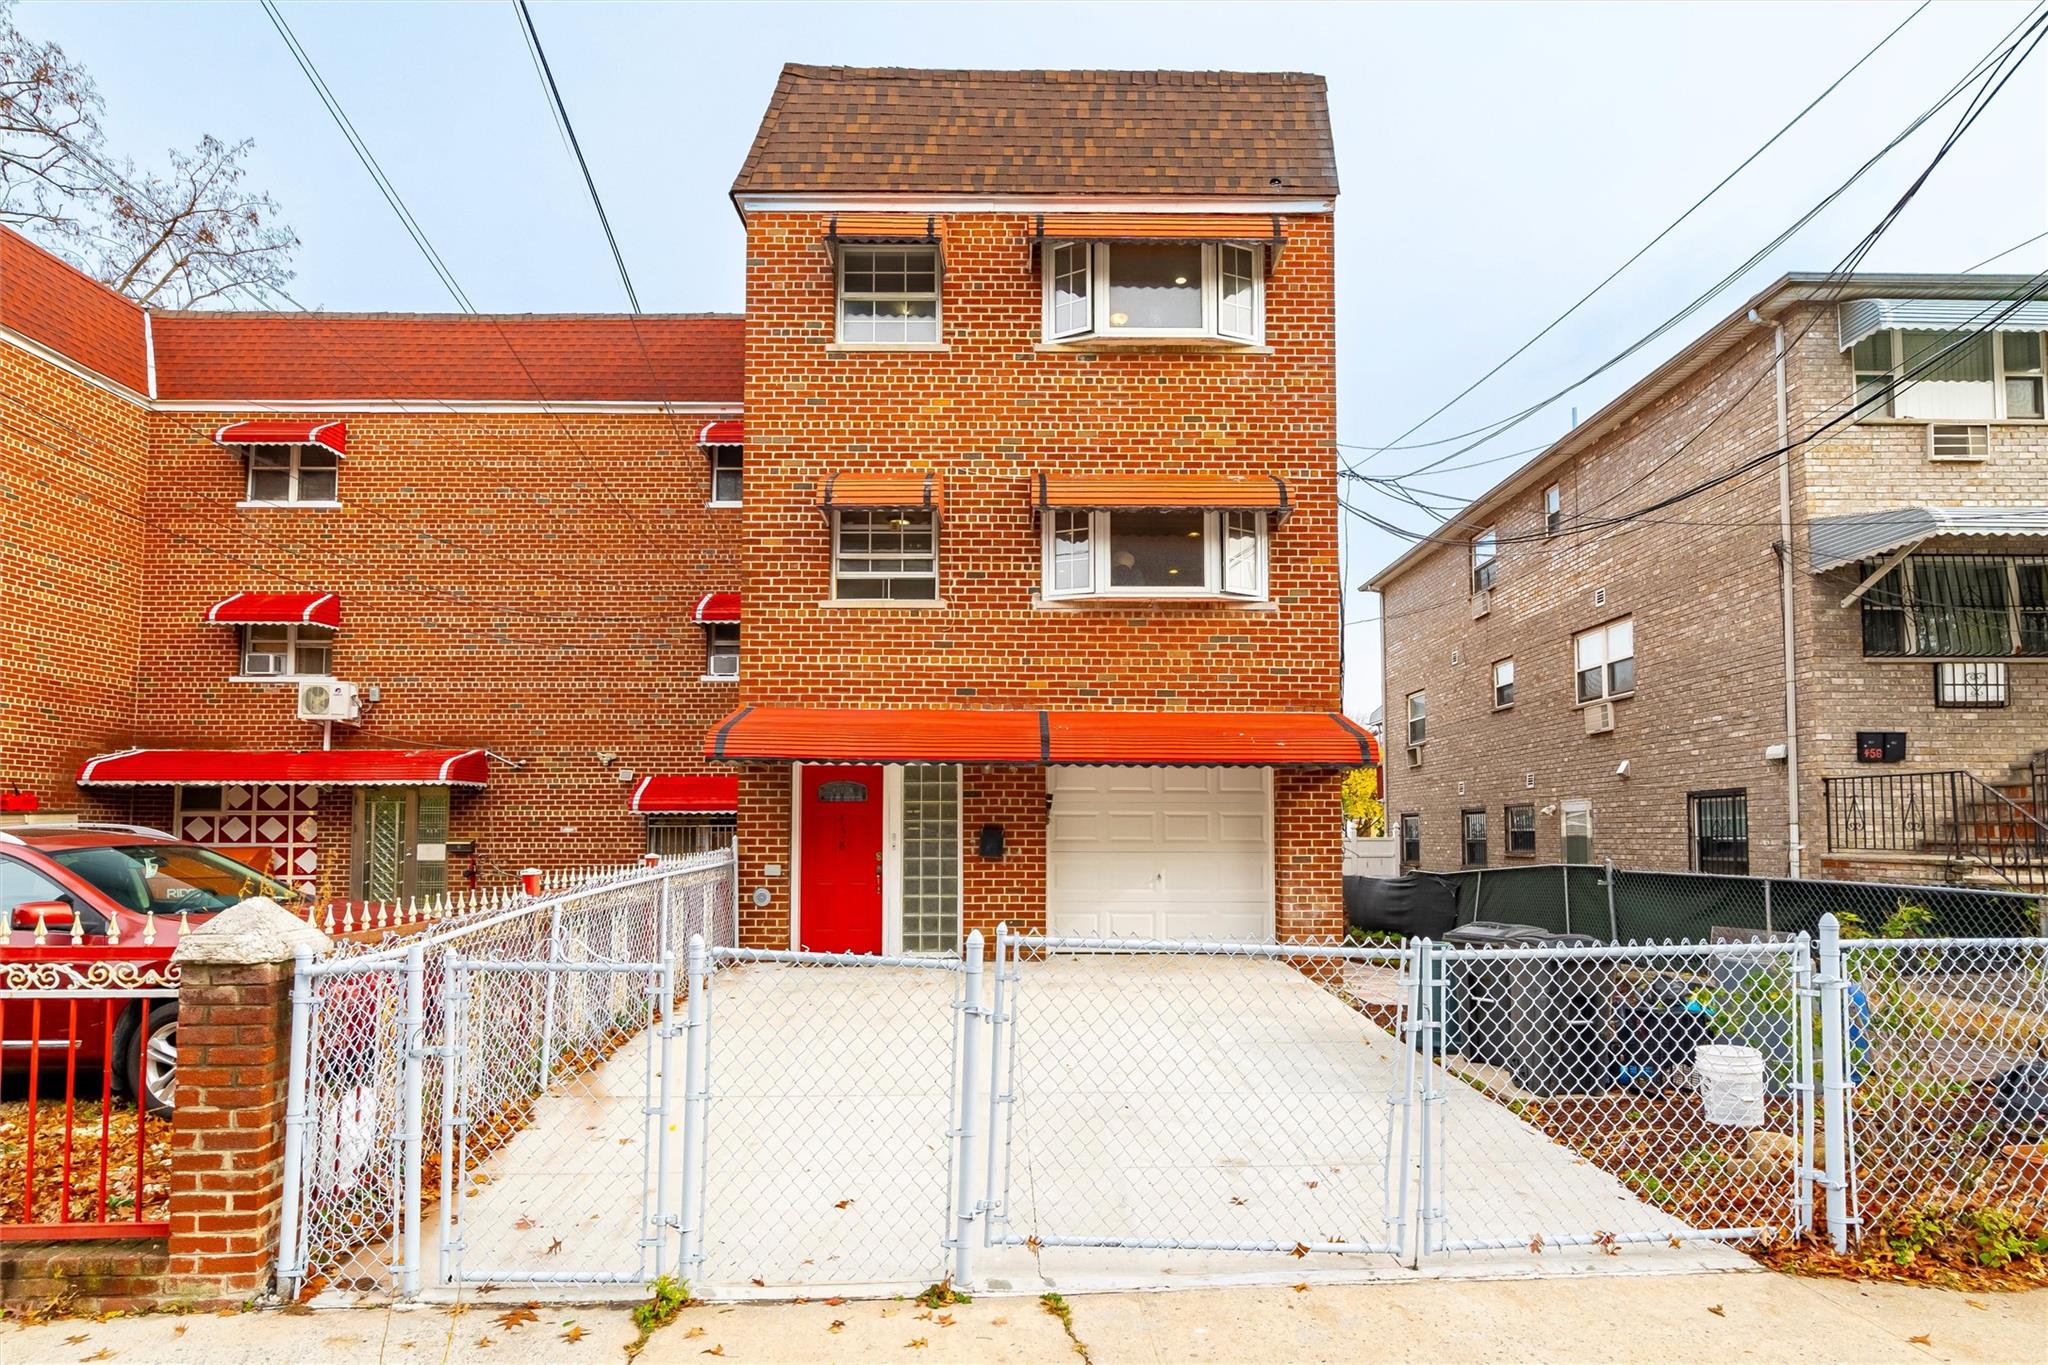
pixel 153 1058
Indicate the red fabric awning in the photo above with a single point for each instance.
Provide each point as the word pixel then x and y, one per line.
pixel 1194 492
pixel 329 435
pixel 1302 739
pixel 708 794
pixel 718 606
pixel 726 431
pixel 318 767
pixel 276 609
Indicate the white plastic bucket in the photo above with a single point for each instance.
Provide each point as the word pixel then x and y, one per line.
pixel 1731 1081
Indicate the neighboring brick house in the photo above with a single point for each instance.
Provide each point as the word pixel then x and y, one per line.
pixel 498 524
pixel 1567 681
pixel 1051 355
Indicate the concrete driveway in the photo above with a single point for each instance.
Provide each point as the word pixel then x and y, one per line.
pixel 1212 1115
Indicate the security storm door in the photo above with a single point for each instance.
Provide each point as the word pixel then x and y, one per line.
pixel 841 847
pixel 400 843
pixel 1167 853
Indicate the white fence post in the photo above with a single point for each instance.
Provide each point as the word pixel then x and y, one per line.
pixel 1394 1188
pixel 970 1055
pixel 415 1028
pixel 547 1017
pixel 453 1027
pixel 1432 990
pixel 658 1223
pixel 288 1268
pixel 695 1040
pixel 1834 1047
pixel 997 1028
pixel 1803 1062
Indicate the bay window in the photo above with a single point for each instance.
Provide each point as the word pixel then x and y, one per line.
pixel 1604 660
pixel 1958 606
pixel 1154 553
pixel 889 295
pixel 1166 290
pixel 885 554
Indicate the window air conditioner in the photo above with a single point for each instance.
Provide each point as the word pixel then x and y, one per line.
pixel 1600 718
pixel 725 666
pixel 1482 603
pixel 1415 755
pixel 263 665
pixel 328 700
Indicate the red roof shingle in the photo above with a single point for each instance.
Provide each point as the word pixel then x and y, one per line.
pixel 52 302
pixel 850 130
pixel 517 358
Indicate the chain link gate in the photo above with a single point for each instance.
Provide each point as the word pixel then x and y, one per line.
pixel 557 1086
pixel 1198 1097
pixel 1599 1050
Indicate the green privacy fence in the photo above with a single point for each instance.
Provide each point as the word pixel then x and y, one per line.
pixel 1622 905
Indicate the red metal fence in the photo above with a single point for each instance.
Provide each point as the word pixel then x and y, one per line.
pixel 89 1075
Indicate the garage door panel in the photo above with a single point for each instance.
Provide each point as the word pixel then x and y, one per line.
pixel 1178 853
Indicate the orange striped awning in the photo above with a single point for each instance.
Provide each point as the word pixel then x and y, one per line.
pixel 1257 739
pixel 1190 492
pixel 884 227
pixel 1162 227
pixel 925 489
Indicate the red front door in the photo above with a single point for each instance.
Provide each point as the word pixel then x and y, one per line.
pixel 842 860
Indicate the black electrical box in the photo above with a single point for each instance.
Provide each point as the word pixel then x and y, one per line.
pixel 1880 746
pixel 991 845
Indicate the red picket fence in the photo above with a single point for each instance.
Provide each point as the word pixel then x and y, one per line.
pixel 91 1043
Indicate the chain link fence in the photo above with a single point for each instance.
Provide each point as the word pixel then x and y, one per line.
pixel 1947 1075
pixel 371 1031
pixel 1625 905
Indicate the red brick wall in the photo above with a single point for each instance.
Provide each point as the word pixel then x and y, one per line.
pixel 988 412
pixel 72 564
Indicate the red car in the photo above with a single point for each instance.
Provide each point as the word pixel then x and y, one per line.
pixel 100 878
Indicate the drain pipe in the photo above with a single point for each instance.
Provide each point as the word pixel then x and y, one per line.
pixel 1793 845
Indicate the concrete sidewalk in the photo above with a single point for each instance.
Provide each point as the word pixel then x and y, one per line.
pixel 1714 1318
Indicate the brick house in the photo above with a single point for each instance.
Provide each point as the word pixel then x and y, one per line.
pixel 1041 601
pixel 1024 606
pixel 457 514
pixel 1676 690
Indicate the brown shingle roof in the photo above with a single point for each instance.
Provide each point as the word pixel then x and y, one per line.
pixel 851 130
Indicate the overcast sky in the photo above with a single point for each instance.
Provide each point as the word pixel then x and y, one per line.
pixel 1497 161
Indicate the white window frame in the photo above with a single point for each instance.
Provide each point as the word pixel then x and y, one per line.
pixel 725 459
pixel 1499 682
pixel 936 296
pixel 721 643
pixel 1608 658
pixel 294 636
pixel 2038 373
pixel 1217 527
pixel 293 464
pixel 1553 509
pixel 1489 565
pixel 1099 255
pixel 1894 378
pixel 841 575
pixel 1418 718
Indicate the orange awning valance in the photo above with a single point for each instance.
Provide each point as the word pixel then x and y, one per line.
pixel 1193 492
pixel 884 227
pixel 1260 739
pixel 882 490
pixel 1162 227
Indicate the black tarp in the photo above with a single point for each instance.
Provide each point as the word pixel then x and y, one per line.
pixel 1418 905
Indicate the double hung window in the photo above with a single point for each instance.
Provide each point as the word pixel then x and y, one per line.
pixel 889 295
pixel 285 475
pixel 885 554
pixel 1154 553
pixel 1604 660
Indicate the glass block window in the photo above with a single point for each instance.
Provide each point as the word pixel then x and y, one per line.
pixel 931 858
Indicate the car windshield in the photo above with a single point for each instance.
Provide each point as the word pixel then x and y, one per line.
pixel 169 879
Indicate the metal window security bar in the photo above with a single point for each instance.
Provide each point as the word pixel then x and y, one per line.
pixel 1193 1097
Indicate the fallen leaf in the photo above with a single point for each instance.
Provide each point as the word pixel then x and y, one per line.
pixel 693 1334
pixel 1605 1241
pixel 1675 1243
pixel 843 1204
pixel 944 1319
pixel 524 1223
pixel 1980 1307
pixel 712 1351
pixel 101 1354
pixel 1237 1199
pixel 1313 1183
pixel 834 1301
pixel 515 1317
pixel 179 1330
pixel 916 1344
pixel 1300 1250
pixel 1717 1310
pixel 837 1325
pixel 78 1340
pixel 1301 1289
pixel 554 1246
pixel 574 1334
pixel 759 1283
pixel 1536 1245
pixel 1922 1340
pixel 483 1341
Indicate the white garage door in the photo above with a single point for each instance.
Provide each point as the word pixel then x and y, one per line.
pixel 1161 853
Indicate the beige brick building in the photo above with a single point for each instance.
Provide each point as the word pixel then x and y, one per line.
pixel 1670 681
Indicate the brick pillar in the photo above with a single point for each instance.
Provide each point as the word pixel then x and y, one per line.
pixel 1308 853
pixel 227 1143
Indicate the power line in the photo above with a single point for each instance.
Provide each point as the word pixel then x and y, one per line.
pixel 1971 270
pixel 1669 228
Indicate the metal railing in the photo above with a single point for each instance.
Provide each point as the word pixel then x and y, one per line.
pixel 1951 813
